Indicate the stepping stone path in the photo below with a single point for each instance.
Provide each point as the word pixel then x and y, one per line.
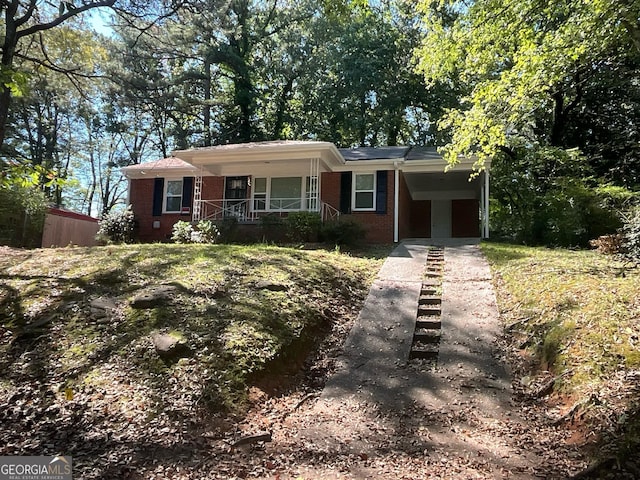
pixel 427 333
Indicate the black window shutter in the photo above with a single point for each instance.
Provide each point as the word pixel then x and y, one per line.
pixel 187 192
pixel 158 194
pixel 381 192
pixel 345 192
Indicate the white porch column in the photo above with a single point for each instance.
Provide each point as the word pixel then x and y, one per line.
pixel 313 195
pixel 485 233
pixel 196 209
pixel 396 199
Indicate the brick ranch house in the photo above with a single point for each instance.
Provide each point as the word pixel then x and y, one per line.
pixel 393 192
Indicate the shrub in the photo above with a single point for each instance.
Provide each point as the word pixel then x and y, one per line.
pixel 204 232
pixel 344 232
pixel 303 226
pixel 227 229
pixel 608 244
pixel 182 232
pixel 22 214
pixel 631 232
pixel 117 226
pixel 271 226
pixel 208 231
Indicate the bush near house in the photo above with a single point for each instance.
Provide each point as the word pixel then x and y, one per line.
pixel 205 231
pixel 117 226
pixel 344 232
pixel 271 227
pixel 303 226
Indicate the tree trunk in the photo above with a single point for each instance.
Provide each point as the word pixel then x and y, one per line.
pixel 362 128
pixel 282 107
pixel 557 128
pixel 206 113
pixel 8 51
pixel 244 99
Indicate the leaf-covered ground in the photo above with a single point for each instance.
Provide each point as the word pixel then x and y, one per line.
pixel 572 323
pixel 79 371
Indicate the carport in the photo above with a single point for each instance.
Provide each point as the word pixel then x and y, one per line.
pixel 445 203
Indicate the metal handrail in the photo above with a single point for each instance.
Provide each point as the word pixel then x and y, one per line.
pixel 221 209
pixel 243 210
pixel 328 213
pixel 285 204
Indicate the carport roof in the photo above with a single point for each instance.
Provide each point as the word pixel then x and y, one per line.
pixel 423 153
pixel 388 153
pixel 373 153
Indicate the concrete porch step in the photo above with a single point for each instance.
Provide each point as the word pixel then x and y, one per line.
pixel 426 336
pixel 431 323
pixel 429 300
pixel 429 310
pixel 424 352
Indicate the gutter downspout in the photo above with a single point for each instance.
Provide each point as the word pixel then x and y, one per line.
pixel 396 198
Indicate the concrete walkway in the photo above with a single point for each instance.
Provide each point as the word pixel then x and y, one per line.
pixel 379 401
pixel 375 364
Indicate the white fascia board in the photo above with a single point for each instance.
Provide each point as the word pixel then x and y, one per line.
pixel 255 154
pixel 464 164
pixel 262 169
pixel 430 166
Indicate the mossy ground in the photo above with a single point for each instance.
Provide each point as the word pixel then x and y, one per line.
pixel 233 328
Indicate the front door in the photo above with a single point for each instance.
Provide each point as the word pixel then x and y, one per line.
pixel 235 197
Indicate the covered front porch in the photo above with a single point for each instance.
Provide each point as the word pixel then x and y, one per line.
pixel 274 178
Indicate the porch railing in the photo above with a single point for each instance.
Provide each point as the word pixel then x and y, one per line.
pixel 242 209
pixel 221 209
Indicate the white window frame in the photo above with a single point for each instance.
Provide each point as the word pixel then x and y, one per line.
pixel 267 200
pixel 263 195
pixel 354 192
pixel 165 196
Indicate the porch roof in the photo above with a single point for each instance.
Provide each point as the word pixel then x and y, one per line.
pixel 234 159
pixel 172 166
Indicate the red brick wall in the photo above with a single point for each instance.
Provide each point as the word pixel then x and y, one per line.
pixel 212 188
pixel 404 213
pixel 379 228
pixel 330 188
pixel 141 197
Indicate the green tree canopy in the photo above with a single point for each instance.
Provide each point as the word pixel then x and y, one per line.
pixel 524 65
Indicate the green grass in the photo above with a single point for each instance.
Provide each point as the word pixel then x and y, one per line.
pixel 580 308
pixel 234 330
pixel 576 314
